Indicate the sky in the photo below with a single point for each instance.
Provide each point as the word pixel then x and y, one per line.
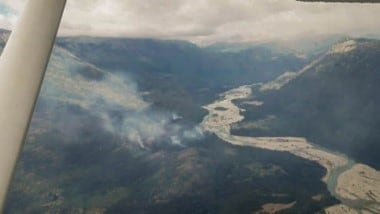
pixel 209 21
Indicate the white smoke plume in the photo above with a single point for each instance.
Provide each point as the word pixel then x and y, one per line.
pixel 114 99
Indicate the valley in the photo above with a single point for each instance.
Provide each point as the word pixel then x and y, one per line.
pixel 356 185
pixel 118 129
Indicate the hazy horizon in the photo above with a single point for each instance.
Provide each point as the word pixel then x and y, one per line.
pixel 206 22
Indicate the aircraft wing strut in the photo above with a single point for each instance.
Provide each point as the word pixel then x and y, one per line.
pixel 22 67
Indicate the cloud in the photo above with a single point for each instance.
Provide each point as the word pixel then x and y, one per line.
pixel 8 16
pixel 206 21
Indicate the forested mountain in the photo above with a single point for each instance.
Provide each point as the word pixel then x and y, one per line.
pixel 116 131
pixel 165 66
pixel 333 103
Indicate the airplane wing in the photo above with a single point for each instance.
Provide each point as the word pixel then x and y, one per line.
pixel 22 67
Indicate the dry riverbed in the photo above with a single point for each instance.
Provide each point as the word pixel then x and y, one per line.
pixel 358 187
pixel 274 208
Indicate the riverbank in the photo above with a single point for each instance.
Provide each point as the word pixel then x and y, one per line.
pixel 358 186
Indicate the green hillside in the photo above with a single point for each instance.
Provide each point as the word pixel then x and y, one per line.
pixel 115 131
pixel 335 103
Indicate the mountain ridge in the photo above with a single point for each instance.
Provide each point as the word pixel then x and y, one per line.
pixel 113 132
pixel 332 103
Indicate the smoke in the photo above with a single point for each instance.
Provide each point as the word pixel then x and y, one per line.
pixel 112 98
pixel 149 127
pixel 195 133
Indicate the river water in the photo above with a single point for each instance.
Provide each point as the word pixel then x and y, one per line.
pixel 358 190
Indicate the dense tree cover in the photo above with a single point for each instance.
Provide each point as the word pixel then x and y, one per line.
pixel 334 104
pixel 208 176
pixel 70 167
pixel 178 72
